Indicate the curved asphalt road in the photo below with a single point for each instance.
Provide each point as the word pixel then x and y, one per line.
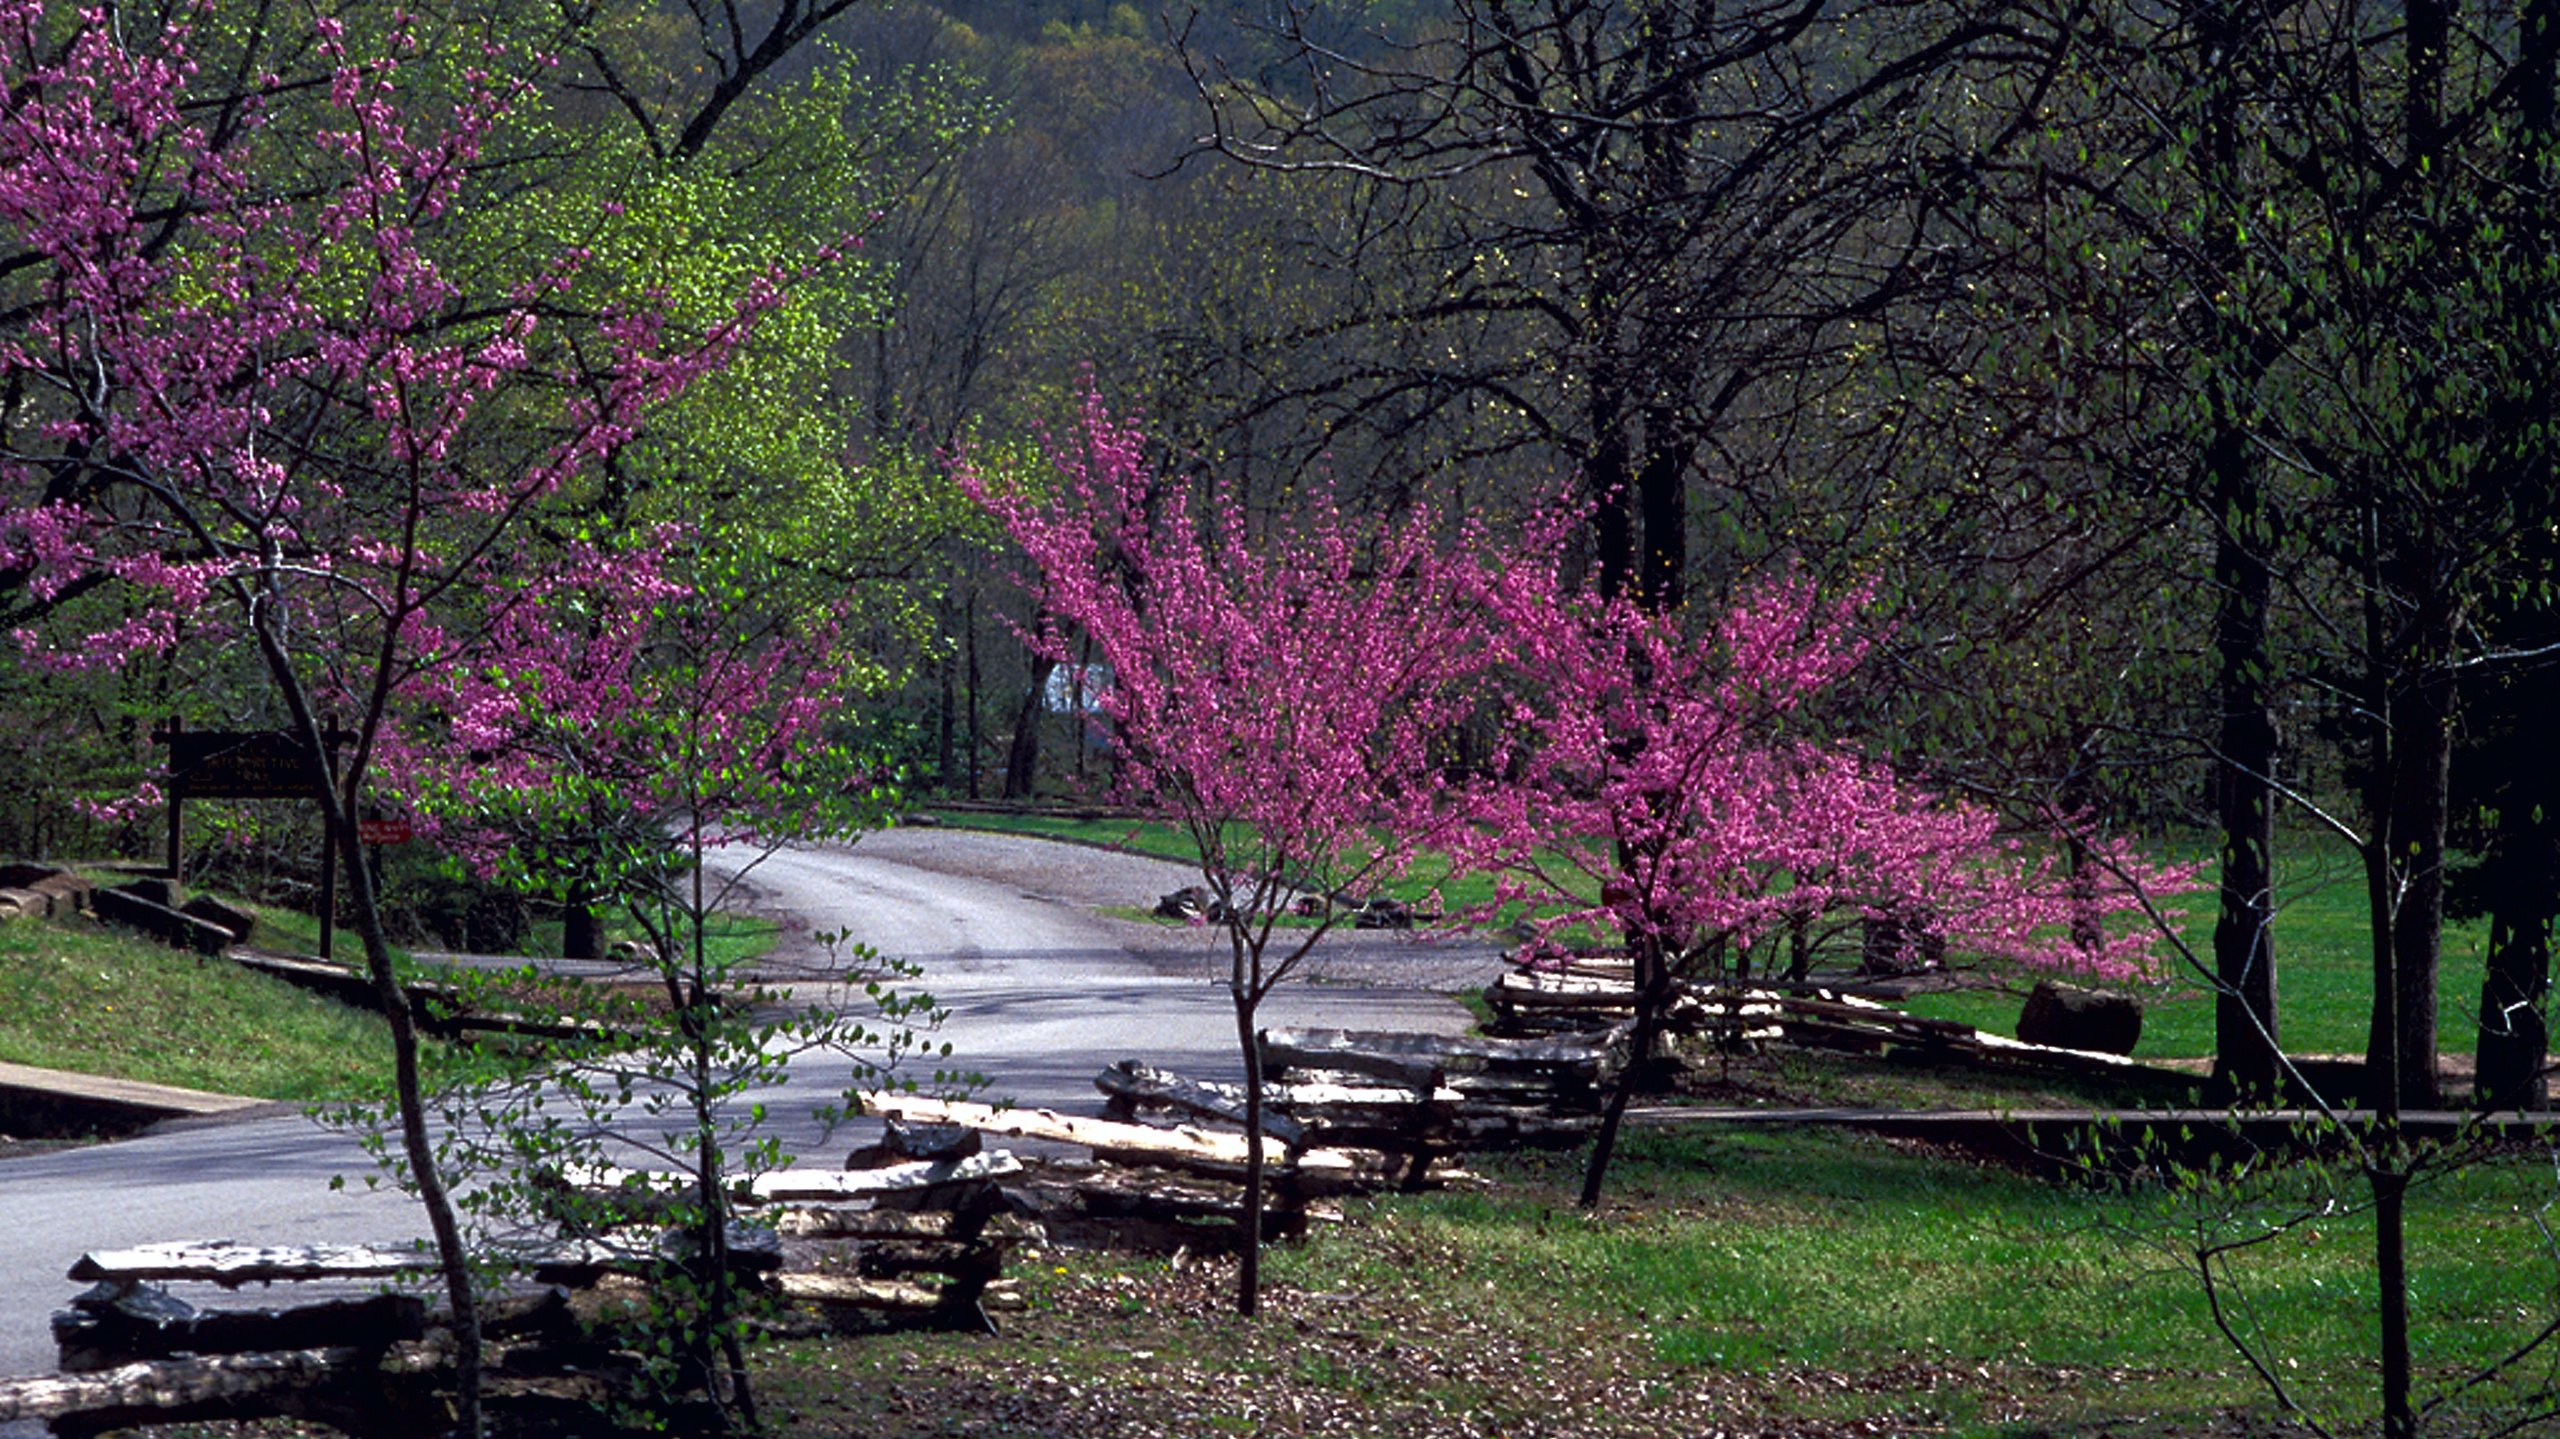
pixel 1042 991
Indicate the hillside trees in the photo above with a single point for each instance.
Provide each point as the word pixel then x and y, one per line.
pixel 1678 213
pixel 2344 334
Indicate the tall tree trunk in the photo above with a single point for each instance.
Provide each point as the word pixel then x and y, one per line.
pixel 946 739
pixel 338 795
pixel 2248 1053
pixel 1653 999
pixel 2515 1027
pixel 581 936
pixel 1606 472
pixel 2515 1035
pixel 1249 1214
pixel 2383 1083
pixel 977 707
pixel 2422 769
pixel 1022 761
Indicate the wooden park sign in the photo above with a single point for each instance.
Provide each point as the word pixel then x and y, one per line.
pixel 251 764
pixel 239 764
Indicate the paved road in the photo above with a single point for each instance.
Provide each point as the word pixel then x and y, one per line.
pixel 1042 992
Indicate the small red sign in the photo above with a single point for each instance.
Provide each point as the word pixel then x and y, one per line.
pixel 385 831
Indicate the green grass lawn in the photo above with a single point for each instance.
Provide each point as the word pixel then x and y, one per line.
pixel 86 997
pixel 728 939
pixel 1769 1276
pixel 2324 967
pixel 97 1000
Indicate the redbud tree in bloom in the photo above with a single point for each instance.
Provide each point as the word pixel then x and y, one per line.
pixel 644 727
pixel 254 412
pixel 1674 790
pixel 1278 687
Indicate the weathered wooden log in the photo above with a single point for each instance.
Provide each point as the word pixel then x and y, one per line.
pixel 169 1389
pixel 1867 1036
pixel 1849 1011
pixel 1186 1148
pixel 846 1292
pixel 784 1185
pixel 1119 1195
pixel 1139 1086
pixel 1560 991
pixel 956 1259
pixel 1589 1059
pixel 231 1264
pixel 824 1221
pixel 105 1329
pixel 1481 1126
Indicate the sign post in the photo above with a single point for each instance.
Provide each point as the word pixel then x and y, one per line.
pixel 252 764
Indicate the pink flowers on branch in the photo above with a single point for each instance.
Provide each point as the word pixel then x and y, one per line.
pixel 1288 689
pixel 1678 791
pixel 1282 688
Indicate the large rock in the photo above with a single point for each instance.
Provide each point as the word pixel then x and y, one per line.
pixel 904 1141
pixel 2066 1016
pixel 1904 941
pixel 65 894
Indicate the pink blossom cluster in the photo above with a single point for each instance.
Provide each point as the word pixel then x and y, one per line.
pixel 271 403
pixel 1283 681
pixel 1671 788
pixel 1300 677
pixel 609 686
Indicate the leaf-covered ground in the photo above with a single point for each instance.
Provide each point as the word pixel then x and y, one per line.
pixel 1160 1355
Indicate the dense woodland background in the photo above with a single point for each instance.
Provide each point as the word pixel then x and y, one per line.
pixel 2178 374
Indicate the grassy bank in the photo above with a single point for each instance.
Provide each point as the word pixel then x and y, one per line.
pixel 1783 1283
pixel 90 998
pixel 98 1000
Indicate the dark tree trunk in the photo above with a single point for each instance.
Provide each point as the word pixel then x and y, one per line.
pixel 977 742
pixel 1022 761
pixel 2515 1028
pixel 2248 1052
pixel 1653 998
pixel 1249 1213
pixel 581 935
pixel 2422 768
pixel 2515 1031
pixel 1614 523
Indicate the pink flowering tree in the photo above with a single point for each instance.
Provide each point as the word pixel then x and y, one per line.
pixel 1674 790
pixel 261 417
pixel 642 728
pixel 1277 688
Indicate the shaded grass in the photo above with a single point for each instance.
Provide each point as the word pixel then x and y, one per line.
pixel 2324 966
pixel 728 939
pixel 83 997
pixel 1767 1276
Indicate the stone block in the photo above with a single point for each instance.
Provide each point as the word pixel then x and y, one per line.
pixel 240 921
pixel 171 927
pixel 2066 1016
